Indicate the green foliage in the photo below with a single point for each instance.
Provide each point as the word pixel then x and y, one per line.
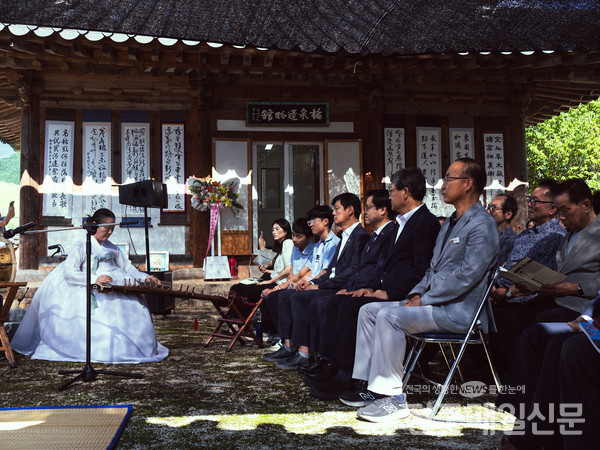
pixel 566 146
pixel 10 169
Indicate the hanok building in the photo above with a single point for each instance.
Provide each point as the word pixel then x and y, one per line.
pixel 301 102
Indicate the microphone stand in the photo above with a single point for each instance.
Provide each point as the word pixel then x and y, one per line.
pixel 88 373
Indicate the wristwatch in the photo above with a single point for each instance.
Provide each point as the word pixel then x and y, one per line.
pixel 508 294
pixel 580 291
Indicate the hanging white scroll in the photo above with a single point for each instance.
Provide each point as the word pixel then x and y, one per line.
pixel 461 144
pixel 173 165
pixel 493 146
pixel 97 178
pixel 135 165
pixel 429 155
pixel 58 169
pixel 394 151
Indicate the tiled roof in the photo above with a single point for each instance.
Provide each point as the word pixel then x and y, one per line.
pixel 388 27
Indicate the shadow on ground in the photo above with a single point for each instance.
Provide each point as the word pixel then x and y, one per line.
pixel 208 398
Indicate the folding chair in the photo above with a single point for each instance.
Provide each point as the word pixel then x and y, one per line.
pixel 4 310
pixel 234 318
pixel 474 335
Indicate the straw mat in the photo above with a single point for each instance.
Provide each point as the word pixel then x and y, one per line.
pixel 81 427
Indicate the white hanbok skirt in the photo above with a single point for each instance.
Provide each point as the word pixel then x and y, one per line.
pixel 54 327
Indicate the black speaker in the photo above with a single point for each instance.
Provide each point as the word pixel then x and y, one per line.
pixel 149 193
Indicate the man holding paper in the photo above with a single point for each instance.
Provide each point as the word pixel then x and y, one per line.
pixel 578 258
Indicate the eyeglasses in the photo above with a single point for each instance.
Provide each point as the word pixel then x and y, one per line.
pixel 492 208
pixel 368 207
pixel 533 201
pixel 392 190
pixel 447 179
pixel 310 223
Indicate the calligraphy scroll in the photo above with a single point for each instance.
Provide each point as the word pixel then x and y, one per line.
pixel 135 155
pixel 429 161
pixel 493 148
pixel 97 179
pixel 394 150
pixel 173 165
pixel 58 169
pixel 461 144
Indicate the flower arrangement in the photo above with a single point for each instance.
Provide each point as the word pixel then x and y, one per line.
pixel 207 192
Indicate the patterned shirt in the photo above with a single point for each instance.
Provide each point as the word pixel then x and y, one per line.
pixel 539 243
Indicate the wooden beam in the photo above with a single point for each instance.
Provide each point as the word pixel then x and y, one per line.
pixel 83 51
pixel 247 59
pixel 56 49
pixel 109 52
pixel 133 53
pixel 268 62
pixel 225 58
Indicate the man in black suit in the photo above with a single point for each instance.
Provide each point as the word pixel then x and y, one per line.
pixel 323 310
pixel 346 212
pixel 410 252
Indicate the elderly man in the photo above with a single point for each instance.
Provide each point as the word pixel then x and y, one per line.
pixel 445 299
pixel 578 257
pixel 539 243
pixel 503 209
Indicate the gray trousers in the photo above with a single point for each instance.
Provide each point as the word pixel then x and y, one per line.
pixel 381 342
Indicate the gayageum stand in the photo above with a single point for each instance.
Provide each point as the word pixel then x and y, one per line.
pixel 88 373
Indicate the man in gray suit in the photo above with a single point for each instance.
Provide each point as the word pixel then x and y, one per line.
pixel 445 299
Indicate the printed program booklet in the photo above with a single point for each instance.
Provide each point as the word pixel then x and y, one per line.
pixel 264 257
pixel 532 274
pixel 591 328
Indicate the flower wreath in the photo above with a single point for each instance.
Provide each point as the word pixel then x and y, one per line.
pixel 207 192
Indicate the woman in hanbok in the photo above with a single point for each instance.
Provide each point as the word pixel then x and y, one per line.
pixel 54 326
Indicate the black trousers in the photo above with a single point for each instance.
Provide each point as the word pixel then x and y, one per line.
pixel 511 321
pixel 333 322
pixel 560 372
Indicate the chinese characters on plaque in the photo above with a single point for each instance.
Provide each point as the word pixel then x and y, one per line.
pixel 58 169
pixel 173 165
pixel 135 156
pixel 97 177
pixel 493 147
pixel 429 161
pixel 395 150
pixel 461 144
pixel 275 113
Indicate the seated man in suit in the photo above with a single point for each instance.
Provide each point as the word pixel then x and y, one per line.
pixel 293 305
pixel 557 369
pixel 445 300
pixel 578 257
pixel 404 261
pixel 503 209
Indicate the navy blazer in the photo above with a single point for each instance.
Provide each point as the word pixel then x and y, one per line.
pixel 346 263
pixel 409 257
pixel 373 258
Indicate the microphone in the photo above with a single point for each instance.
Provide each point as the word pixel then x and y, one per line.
pixel 10 233
pixel 52 247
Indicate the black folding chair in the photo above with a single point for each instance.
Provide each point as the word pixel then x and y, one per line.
pixel 474 335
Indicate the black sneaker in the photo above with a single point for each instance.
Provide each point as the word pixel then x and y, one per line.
pixel 279 355
pixel 294 362
pixel 359 398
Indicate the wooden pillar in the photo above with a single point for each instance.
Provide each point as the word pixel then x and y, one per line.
pixel 199 151
pixel 30 197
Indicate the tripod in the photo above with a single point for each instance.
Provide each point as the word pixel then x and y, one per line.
pixel 88 373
